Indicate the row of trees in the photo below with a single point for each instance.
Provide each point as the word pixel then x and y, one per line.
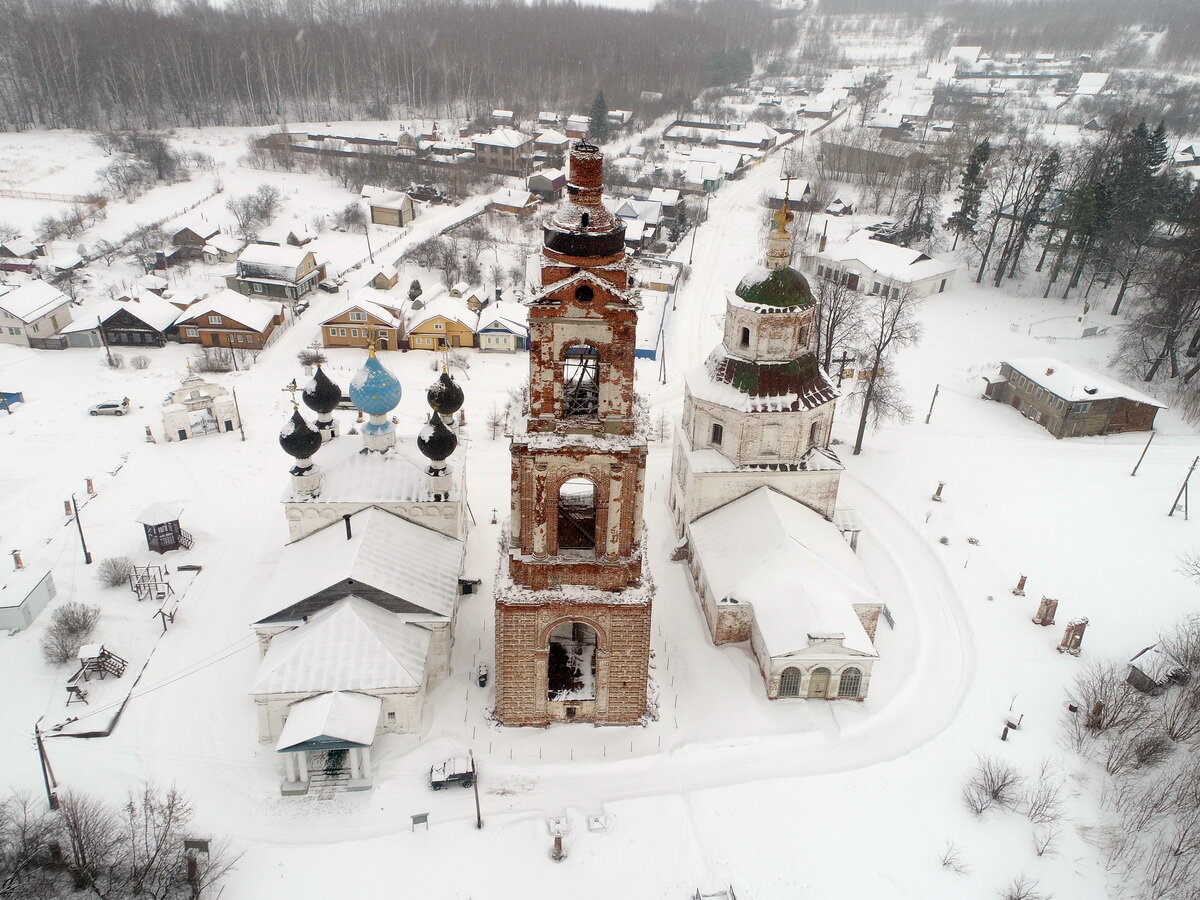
pixel 156 64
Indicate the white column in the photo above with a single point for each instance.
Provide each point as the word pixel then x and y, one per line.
pixel 289 767
pixel 354 770
pixel 302 762
pixel 366 761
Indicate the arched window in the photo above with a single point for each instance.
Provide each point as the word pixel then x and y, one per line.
pixel 577 515
pixel 850 683
pixel 571 666
pixel 814 434
pixel 581 383
pixel 789 682
pixel 718 434
pixel 818 683
pixel 745 341
pixel 803 336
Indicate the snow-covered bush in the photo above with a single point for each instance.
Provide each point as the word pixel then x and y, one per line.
pixel 993 783
pixel 114 571
pixel 140 362
pixel 69 628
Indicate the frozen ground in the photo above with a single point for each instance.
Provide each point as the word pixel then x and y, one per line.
pixel 778 799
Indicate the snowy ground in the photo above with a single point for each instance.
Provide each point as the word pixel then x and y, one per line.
pixel 724 787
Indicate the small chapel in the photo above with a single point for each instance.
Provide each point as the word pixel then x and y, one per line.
pixel 357 619
pixel 573 600
pixel 754 493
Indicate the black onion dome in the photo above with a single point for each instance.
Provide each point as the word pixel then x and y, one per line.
pixel 321 395
pixel 445 396
pixel 435 440
pixel 297 439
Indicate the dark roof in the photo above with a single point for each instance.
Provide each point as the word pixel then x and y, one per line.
pixel 321 394
pixel 782 288
pixel 297 439
pixel 444 395
pixel 435 440
pixel 802 377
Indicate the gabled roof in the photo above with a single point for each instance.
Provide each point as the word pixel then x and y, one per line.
pixel 391 200
pixel 550 136
pixel 336 718
pixel 198 227
pixel 21 247
pixel 222 243
pixel 256 315
pixel 1076 384
pixel 151 309
pixel 505 314
pixel 889 260
pixel 502 137
pixel 283 256
pixel 396 564
pixel 514 197
pixel 665 196
pixel 791 565
pixel 366 306
pixel 446 307
pixel 350 646
pixel 32 300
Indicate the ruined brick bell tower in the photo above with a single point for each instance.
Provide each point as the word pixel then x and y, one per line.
pixel 573 615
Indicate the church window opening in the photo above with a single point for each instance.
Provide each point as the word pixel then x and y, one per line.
pixel 577 515
pixel 581 383
pixel 584 294
pixel 803 338
pixel 718 434
pixel 571 664
pixel 814 434
pixel 789 682
pixel 745 341
pixel 850 683
pixel 818 683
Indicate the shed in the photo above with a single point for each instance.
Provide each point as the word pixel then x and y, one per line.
pixel 23 595
pixel 1153 668
pixel 163 532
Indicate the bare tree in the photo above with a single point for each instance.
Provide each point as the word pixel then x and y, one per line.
pixel 888 323
pixel 839 312
pixel 992 783
pixel 69 628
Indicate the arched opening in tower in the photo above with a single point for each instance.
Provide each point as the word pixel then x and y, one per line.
pixel 571 666
pixel 581 383
pixel 577 515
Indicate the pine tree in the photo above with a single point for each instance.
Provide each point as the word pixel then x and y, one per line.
pixel 598 120
pixel 414 290
pixel 966 217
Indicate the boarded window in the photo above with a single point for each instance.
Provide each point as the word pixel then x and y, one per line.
pixel 718 434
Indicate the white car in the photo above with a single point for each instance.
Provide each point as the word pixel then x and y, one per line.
pixel 109 408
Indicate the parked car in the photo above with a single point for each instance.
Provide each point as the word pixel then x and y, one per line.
pixel 459 769
pixel 301 306
pixel 330 287
pixel 110 408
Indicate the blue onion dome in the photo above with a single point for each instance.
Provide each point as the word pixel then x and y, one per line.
pixel 297 438
pixel 321 395
pixel 445 396
pixel 435 440
pixel 375 390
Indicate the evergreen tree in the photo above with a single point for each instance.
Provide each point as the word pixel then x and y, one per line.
pixel 966 217
pixel 414 290
pixel 598 120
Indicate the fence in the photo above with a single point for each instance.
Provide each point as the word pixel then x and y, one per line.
pixel 56 198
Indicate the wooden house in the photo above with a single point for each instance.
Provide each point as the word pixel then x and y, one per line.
pixel 552 143
pixel 472 297
pixel 442 323
pixel 503 326
pixel 513 202
pixel 1069 401
pixel 356 323
pixel 191 238
pixel 577 127
pixel 384 278
pixel 146 322
pixel 548 185
pixel 222 248
pixel 32 313
pixel 278 272
pixel 393 208
pixel 1153 669
pixel 229 319
pixel 504 150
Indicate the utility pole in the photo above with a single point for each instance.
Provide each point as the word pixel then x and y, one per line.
pixel 475 784
pixel 936 388
pixel 87 556
pixel 238 410
pixel 1143 456
pixel 1183 491
pixel 47 772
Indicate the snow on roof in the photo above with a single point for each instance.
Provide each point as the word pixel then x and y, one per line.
pixel 354 477
pixel 502 137
pixel 21 247
pixel 790 564
pixel 32 300
pixel 446 307
pixel 368 307
pixel 15 587
pixel 665 196
pixel 505 314
pixel 385 552
pixel 1156 664
pixel 198 226
pixel 513 197
pixel 391 200
pixel 942 72
pixel 648 211
pixel 341 716
pixel 550 136
pixel 967 54
pixel 889 260
pixel 752 134
pixel 1091 83
pixel 502 113
pixel 282 256
pixel 254 314
pixel 222 243
pixel 158 513
pixel 1075 384
pixel 885 120
pixel 352 645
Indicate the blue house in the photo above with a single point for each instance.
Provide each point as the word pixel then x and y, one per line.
pixel 503 325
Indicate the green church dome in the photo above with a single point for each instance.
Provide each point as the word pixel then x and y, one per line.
pixel 779 288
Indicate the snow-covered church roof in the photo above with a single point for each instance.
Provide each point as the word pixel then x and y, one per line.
pixel 791 565
pixel 749 386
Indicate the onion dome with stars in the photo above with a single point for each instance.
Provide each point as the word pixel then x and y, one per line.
pixel 436 441
pixel 445 396
pixel 375 390
pixel 321 395
pixel 297 438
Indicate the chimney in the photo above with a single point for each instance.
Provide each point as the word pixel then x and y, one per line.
pixel 16 555
pixel 346 519
pixel 1049 371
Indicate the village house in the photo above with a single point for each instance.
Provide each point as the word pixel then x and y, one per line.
pixel 222 248
pixel 547 119
pixel 504 150
pixel 877 267
pixel 551 143
pixel 19 248
pixel 1069 401
pixel 356 324
pixel 191 237
pixel 293 234
pixel 502 117
pixel 409 143
pixel 472 297
pixel 383 277
pixel 513 201
pixel 279 272
pixel 503 326
pixel 882 156
pixel 667 198
pixel 442 323
pixel 577 127
pixel 796 192
pixel 229 319
pixel 32 312
pixel 547 185
pixel 620 116
pixel 755 135
pixel 393 208
pixel 145 322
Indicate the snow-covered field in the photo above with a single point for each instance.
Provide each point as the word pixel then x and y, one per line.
pixel 779 800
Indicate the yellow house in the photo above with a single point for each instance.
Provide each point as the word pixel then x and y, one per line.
pixel 358 321
pixel 442 323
